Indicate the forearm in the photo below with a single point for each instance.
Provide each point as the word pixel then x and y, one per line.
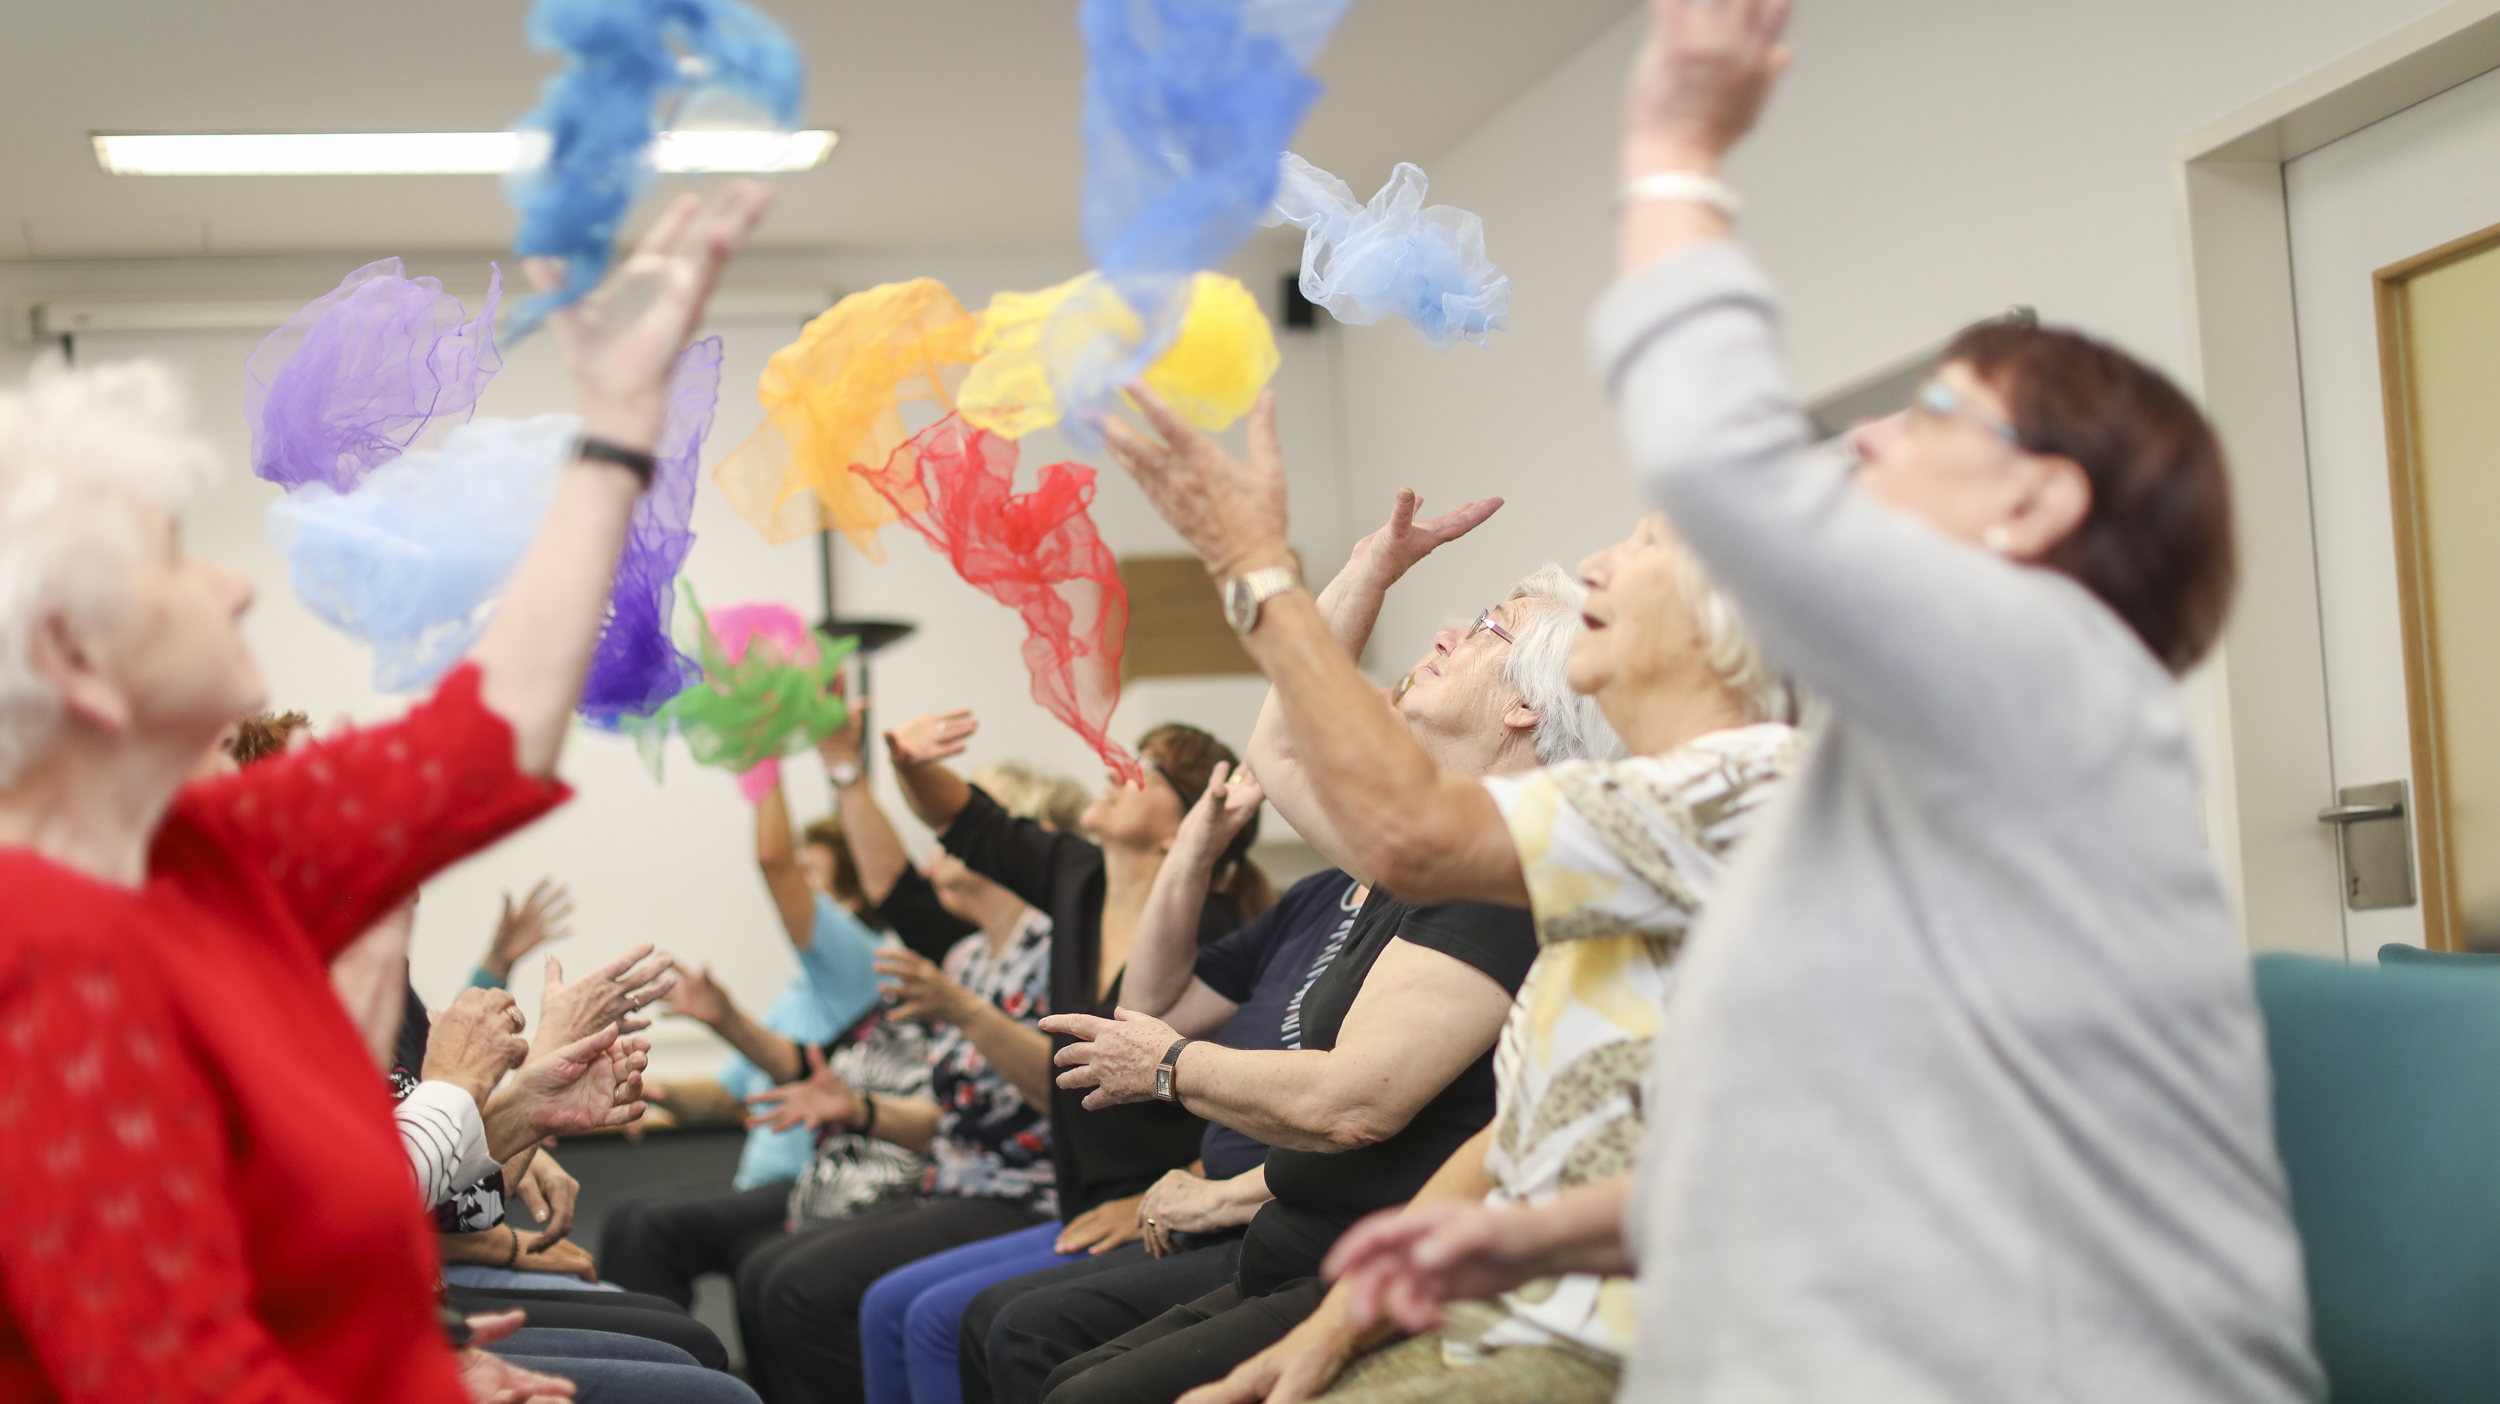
pixel 778 1056
pixel 875 848
pixel 1300 1099
pixel 448 1139
pixel 702 1103
pixel 1425 834
pixel 909 1122
pixel 1163 955
pixel 1351 605
pixel 776 857
pixel 936 794
pixel 1650 230
pixel 1019 1051
pixel 537 650
pixel 1580 1230
pixel 494 1247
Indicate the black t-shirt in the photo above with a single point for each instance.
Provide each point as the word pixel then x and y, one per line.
pixel 1268 968
pixel 1118 1151
pixel 1319 1194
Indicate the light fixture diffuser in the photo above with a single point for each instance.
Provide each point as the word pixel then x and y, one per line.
pixel 691 152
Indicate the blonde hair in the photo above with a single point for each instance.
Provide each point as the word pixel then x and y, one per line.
pixel 1054 800
pixel 83 454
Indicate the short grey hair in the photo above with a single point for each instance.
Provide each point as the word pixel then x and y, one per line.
pixel 82 453
pixel 1569 725
pixel 1728 646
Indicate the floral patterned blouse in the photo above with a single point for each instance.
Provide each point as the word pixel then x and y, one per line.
pixel 991 1143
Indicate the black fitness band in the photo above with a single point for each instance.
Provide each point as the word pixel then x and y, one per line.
pixel 869 1100
pixel 635 461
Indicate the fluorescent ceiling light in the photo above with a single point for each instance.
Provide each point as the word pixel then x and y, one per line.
pixel 693 152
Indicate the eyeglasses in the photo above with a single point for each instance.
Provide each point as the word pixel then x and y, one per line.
pixel 1486 622
pixel 1937 401
pixel 1153 767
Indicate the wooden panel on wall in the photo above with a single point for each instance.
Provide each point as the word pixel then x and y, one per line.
pixel 1176 625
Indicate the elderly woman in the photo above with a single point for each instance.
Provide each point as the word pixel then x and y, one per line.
pixel 1963 1094
pixel 219 1205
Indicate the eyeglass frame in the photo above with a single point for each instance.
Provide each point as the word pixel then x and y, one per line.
pixel 1486 621
pixel 1936 399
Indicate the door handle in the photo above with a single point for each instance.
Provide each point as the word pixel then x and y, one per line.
pixel 2372 833
pixel 2355 813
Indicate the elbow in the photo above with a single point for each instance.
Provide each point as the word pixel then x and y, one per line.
pixel 1400 860
pixel 1352 1128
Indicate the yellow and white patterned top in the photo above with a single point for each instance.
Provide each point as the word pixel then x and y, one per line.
pixel 1621 858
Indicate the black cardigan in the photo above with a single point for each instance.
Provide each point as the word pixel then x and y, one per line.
pixel 1118 1151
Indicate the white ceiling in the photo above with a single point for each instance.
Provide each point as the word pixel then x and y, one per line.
pixel 958 117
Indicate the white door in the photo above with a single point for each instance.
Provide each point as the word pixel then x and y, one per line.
pixel 2410 183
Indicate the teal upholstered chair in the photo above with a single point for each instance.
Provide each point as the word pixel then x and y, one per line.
pixel 2398 953
pixel 2387 1108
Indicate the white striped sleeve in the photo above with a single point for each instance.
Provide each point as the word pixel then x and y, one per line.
pixel 445 1139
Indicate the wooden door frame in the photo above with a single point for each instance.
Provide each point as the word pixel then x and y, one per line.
pixel 2245 359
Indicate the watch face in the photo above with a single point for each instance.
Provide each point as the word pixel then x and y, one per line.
pixel 1241 606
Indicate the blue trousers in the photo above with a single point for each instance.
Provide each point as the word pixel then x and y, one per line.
pixel 908 1319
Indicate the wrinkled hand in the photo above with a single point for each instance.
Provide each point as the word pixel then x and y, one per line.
pixel 1388 554
pixel 921 990
pixel 611 994
pixel 930 739
pixel 1401 1265
pixel 622 340
pixel 475 1042
pixel 822 1099
pixel 545 915
pixel 587 1085
pixel 551 1194
pixel 1230 511
pixel 1701 80
pixel 698 997
pixel 1231 801
pixel 489 1379
pixel 1184 1203
pixel 1115 1057
pixel 1102 1228
pixel 1301 1366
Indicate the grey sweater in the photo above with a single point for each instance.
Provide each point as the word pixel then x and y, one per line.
pixel 1963 1095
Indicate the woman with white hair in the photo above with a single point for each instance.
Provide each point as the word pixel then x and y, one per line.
pixel 202 1193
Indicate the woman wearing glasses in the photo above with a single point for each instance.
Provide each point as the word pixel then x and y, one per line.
pixel 1963 1092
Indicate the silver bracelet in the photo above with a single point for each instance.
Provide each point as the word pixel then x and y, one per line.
pixel 1691 186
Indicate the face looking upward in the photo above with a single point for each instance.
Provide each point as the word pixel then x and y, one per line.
pixel 1456 695
pixel 1641 633
pixel 1138 816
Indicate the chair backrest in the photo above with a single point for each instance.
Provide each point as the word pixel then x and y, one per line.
pixel 2398 953
pixel 2387 1109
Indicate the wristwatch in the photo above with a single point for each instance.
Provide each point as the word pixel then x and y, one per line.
pixel 1243 594
pixel 843 774
pixel 1163 1070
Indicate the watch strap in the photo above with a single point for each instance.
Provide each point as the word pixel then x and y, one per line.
pixel 1169 1069
pixel 635 461
pixel 1690 186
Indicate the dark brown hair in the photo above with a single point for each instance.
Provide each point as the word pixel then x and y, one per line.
pixel 2157 545
pixel 1188 758
pixel 826 833
pixel 262 735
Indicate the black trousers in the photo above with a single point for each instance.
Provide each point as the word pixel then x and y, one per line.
pixel 661 1243
pixel 799 1296
pixel 1016 1332
pixel 618 1313
pixel 1185 1347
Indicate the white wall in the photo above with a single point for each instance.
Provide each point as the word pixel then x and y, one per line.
pixel 671 861
pixel 1925 163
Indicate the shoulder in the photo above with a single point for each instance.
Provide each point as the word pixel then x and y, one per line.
pixel 57 913
pixel 1498 940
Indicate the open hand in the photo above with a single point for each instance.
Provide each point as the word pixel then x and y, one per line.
pixel 475 1042
pixel 821 1099
pixel 921 990
pixel 1102 1228
pixel 1390 552
pixel 490 1379
pixel 589 1084
pixel 562 1257
pixel 1231 800
pixel 610 994
pixel 929 739
pixel 1701 80
pixel 545 915
pixel 698 997
pixel 1301 1366
pixel 622 340
pixel 1400 1265
pixel 1231 511
pixel 1115 1057
pixel 1181 1202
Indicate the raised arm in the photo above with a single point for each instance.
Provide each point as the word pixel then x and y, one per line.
pixel 1351 605
pixel 620 343
pixel 876 849
pixel 918 747
pixel 1163 956
pixel 699 998
pixel 1425 834
pixel 777 857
